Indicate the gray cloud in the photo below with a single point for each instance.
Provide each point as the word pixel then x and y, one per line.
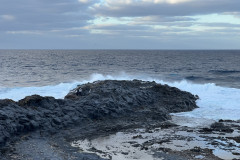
pixel 43 14
pixel 120 27
pixel 222 25
pixel 145 8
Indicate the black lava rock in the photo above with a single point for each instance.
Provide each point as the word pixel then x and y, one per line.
pixel 102 100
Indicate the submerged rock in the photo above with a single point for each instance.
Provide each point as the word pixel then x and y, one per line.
pixel 217 127
pixel 102 100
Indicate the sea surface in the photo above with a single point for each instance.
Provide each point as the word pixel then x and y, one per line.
pixel 214 75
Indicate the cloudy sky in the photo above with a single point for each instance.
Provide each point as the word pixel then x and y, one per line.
pixel 120 24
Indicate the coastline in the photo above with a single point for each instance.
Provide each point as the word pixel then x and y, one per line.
pixel 99 109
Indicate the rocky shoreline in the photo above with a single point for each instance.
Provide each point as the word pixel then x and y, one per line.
pixel 45 127
pixel 168 141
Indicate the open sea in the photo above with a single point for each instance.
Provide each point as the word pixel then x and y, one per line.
pixel 211 74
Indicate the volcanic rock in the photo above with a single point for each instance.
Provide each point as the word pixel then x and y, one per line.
pixel 133 101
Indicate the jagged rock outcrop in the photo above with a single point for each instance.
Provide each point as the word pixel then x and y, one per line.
pixel 102 100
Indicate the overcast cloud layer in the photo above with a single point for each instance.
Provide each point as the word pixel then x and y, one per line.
pixel 122 24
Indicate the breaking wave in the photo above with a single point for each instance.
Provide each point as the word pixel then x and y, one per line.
pixel 215 102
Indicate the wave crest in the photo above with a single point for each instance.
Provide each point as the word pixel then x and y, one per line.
pixel 215 102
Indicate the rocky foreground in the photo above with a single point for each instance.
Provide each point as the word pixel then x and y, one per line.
pixel 44 127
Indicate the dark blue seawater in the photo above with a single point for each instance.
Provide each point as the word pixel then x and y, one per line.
pixel 49 67
pixel 213 75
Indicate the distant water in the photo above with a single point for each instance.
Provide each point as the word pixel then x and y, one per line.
pixel 213 75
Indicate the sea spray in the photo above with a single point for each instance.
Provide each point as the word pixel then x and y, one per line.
pixel 215 102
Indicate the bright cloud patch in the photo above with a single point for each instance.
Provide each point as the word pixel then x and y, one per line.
pixel 167 1
pixel 84 1
pixel 7 17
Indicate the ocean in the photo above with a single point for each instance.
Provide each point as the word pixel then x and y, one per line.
pixel 213 75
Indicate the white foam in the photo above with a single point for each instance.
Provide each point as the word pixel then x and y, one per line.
pixel 57 91
pixel 215 102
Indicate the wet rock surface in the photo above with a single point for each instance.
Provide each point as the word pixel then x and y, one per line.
pixel 172 143
pixel 217 126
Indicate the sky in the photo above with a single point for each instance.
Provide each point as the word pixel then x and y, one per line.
pixel 119 24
